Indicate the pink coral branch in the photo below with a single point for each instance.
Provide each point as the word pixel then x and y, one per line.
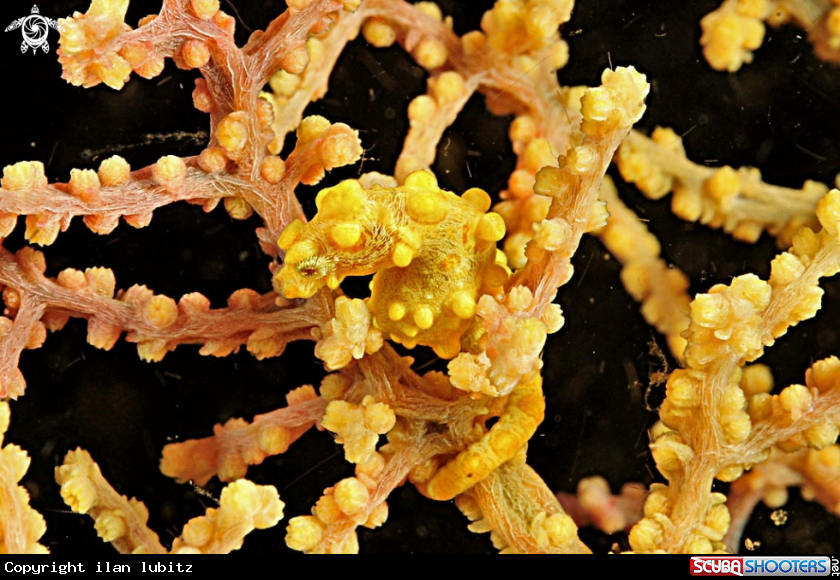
pixel 390 379
pixel 773 475
pixel 594 504
pixel 26 322
pixel 134 200
pixel 817 472
pixel 249 319
pixel 237 444
pixel 282 45
pixel 508 89
pixel 315 79
pixel 825 408
pixel 22 526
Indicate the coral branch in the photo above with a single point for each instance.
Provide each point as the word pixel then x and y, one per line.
pixel 730 326
pixel 429 115
pixel 608 113
pixel 20 525
pixel 522 516
pixel 595 505
pixel 18 335
pixel 243 507
pixel 292 92
pixel 735 200
pixel 736 28
pixel 661 289
pixel 105 196
pixel 118 520
pixel 237 444
pixel 360 500
pixel 156 323
pixel 817 472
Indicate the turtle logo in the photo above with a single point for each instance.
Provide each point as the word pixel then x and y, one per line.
pixel 35 29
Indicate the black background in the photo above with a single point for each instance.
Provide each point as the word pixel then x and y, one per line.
pixel 779 114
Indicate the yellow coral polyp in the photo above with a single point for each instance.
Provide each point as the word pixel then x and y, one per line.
pixel 110 525
pixel 433 254
pixel 23 176
pixel 304 533
pixel 232 132
pixel 347 336
pixel 195 53
pixel 730 36
pixel 83 43
pixel 204 9
pixel 114 171
pixel 378 33
pixel 351 495
pixel 160 311
pixel 431 53
pixel 169 170
pixel 358 426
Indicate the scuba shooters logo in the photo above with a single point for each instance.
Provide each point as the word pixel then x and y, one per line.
pixel 764 566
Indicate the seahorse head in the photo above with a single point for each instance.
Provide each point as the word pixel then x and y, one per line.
pixel 306 270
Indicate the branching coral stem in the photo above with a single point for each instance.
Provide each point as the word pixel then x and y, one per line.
pixel 232 326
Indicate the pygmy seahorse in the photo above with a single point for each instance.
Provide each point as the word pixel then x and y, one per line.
pixel 433 254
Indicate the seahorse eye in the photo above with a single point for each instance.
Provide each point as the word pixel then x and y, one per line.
pixel 308 271
pixel 311 267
